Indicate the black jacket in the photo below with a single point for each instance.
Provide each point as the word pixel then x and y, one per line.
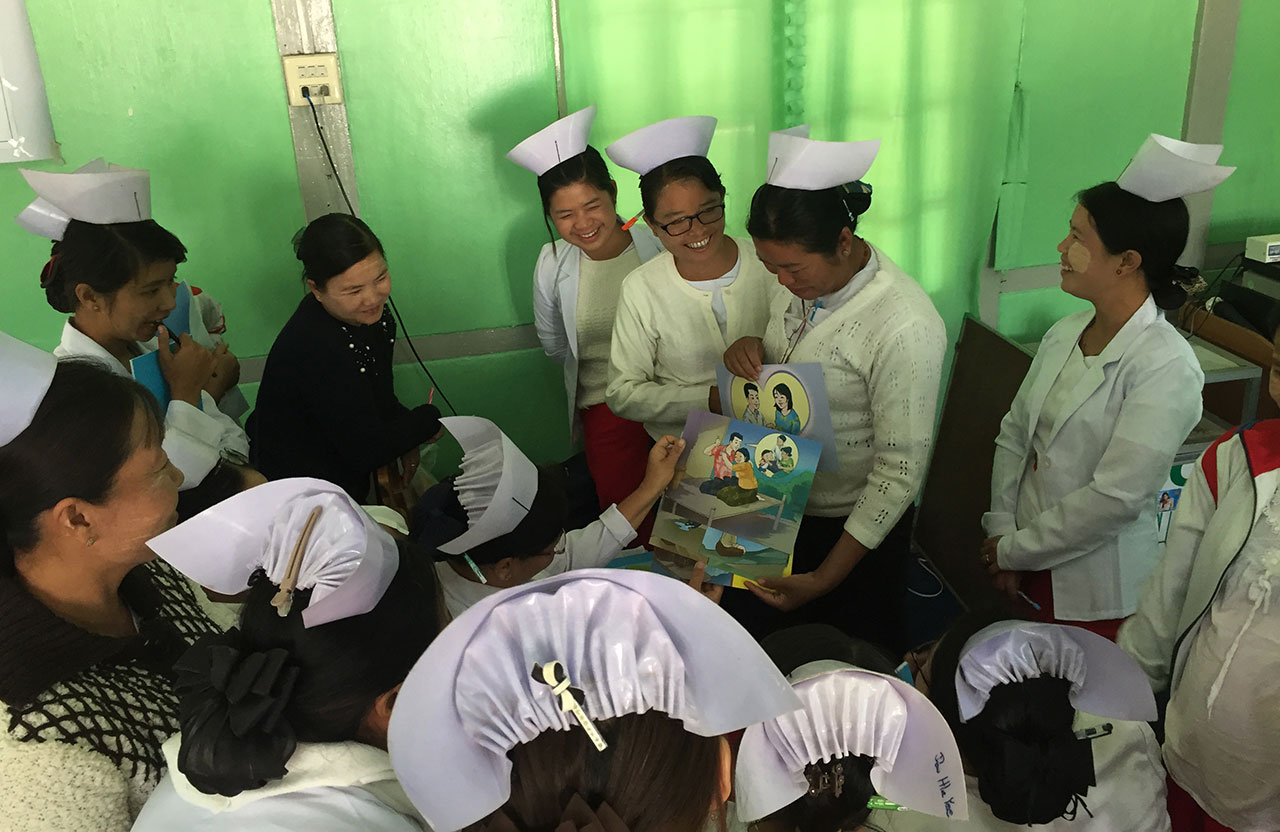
pixel 327 406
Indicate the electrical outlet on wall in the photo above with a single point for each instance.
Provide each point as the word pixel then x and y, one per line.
pixel 318 73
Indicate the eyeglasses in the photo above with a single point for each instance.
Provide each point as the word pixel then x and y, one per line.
pixel 681 226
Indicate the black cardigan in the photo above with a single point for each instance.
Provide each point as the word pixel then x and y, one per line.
pixel 327 406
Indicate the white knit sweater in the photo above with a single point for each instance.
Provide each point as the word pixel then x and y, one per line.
pixel 881 355
pixel 667 343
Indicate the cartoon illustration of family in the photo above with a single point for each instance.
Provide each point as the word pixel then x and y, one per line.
pixel 779 460
pixel 785 419
pixel 733 478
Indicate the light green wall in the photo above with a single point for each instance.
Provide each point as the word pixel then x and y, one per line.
pixel 1095 77
pixel 1249 202
pixel 194 96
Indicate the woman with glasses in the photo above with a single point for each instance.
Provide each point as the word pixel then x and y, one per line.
pixel 679 311
pixel 880 343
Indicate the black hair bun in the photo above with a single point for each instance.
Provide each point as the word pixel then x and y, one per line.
pixel 856 197
pixel 231 705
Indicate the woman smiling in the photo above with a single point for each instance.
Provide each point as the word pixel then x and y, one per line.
pixel 679 311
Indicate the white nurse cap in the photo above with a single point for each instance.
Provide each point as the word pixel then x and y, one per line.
pixel 27 373
pixel 848 711
pixel 555 143
pixel 1165 168
pixel 801 163
pixel 1105 680
pixel 647 148
pixel 496 487
pixel 614 642
pixel 98 192
pixel 304 533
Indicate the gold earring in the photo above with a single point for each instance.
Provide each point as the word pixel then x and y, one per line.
pixel 1119 271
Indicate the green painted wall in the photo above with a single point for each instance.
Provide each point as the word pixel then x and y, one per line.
pixel 1249 202
pixel 193 92
pixel 1095 77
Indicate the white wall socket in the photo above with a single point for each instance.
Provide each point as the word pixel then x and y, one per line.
pixel 314 72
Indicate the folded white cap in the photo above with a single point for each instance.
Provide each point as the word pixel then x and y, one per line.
pixel 1105 680
pixel 799 162
pixel 846 712
pixel 654 145
pixel 497 485
pixel 348 561
pixel 553 144
pixel 1166 168
pixel 630 642
pixel 97 192
pixel 25 375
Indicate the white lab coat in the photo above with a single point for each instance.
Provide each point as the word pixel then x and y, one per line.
pixel 586 548
pixel 1129 796
pixel 555 307
pixel 329 787
pixel 1105 459
pixel 194 438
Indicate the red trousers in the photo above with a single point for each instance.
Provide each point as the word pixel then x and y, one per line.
pixel 1039 588
pixel 617 452
pixel 1186 815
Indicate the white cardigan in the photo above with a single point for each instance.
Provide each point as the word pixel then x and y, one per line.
pixel 667 344
pixel 194 438
pixel 1106 457
pixel 555 307
pixel 881 355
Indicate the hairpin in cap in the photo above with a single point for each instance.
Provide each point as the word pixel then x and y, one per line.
pixel 553 675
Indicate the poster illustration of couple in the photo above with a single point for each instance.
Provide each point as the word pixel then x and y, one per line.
pixel 790 398
pixel 736 501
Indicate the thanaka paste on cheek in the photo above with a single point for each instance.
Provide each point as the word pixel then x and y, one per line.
pixel 1078 257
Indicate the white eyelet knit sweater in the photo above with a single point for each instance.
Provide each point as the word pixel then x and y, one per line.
pixel 881 354
pixel 85 715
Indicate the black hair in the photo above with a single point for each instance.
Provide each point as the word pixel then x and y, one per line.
pixel 105 257
pixel 1156 230
pixel 837 799
pixel 788 450
pixel 764 451
pixel 226 480
pixel 749 386
pixel 331 244
pixel 1022 746
pixel 804 643
pixel 439 517
pixel 746 453
pixel 786 392
pixel 812 220
pixel 588 167
pixel 247 697
pixel 734 435
pixel 77 442
pixel 698 168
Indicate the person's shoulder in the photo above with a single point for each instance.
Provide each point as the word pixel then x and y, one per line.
pixel 649 277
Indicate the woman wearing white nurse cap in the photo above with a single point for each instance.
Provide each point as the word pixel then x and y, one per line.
pixel 863 741
pixel 595 697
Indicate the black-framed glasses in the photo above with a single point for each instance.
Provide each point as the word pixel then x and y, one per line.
pixel 706 216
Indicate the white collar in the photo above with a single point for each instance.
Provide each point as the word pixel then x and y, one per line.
pixel 314 765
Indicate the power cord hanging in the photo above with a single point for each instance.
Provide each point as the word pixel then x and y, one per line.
pixel 306 93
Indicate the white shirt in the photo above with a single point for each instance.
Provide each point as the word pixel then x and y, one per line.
pixel 1129 796
pixel 329 787
pixel 716 287
pixel 586 548
pixel 1223 723
pixel 1101 464
pixel 195 438
pixel 881 353
pixel 1032 498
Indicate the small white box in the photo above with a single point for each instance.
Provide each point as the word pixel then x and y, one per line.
pixel 1263 249
pixel 314 72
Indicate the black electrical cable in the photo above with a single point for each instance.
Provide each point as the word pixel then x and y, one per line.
pixel 352 211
